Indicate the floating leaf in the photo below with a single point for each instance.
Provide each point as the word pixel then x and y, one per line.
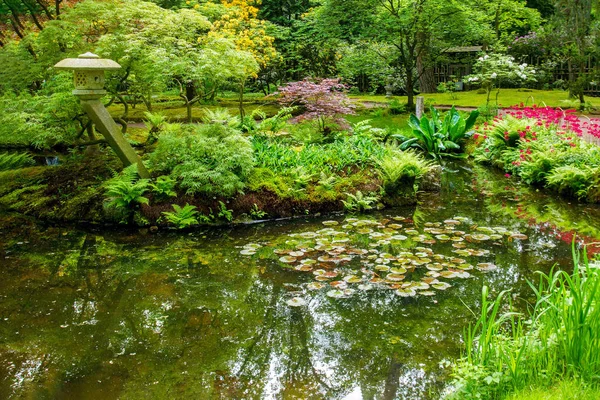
pixel 480 237
pixel 315 285
pixel 382 268
pixel 303 268
pixel 339 284
pixel 296 302
pixel 287 259
pixel 335 293
pixel 486 267
pixel 330 223
pixel 408 292
pixel 398 270
pixel 395 277
pixel 519 236
pixel 352 279
pixel 365 287
pixel 441 285
pixel 248 252
pixel 308 261
pixel 427 293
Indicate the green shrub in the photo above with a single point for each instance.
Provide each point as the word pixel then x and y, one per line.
pixel 49 118
pixel 396 107
pixel 15 161
pixel 211 159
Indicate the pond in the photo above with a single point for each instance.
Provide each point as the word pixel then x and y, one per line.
pixel 339 307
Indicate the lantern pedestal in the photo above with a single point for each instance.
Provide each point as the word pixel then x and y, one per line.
pixel 89 87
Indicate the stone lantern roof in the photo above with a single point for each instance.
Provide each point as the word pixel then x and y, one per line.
pixel 87 62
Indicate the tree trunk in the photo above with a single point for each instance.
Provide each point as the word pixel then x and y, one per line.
pixel 426 77
pixel 188 106
pixel 410 92
pixel 241 102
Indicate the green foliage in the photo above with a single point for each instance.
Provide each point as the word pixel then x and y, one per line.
pixel 164 187
pixel 572 180
pixel 257 213
pixel 399 169
pixel 51 117
pixel 224 212
pixel 397 107
pixel 437 137
pixel 359 202
pixel 211 159
pixel 155 122
pixel 343 152
pixel 277 122
pixel 182 217
pixel 15 161
pixel 560 338
pixel 543 155
pixel 125 191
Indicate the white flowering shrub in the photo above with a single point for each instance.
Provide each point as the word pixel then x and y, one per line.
pixel 492 70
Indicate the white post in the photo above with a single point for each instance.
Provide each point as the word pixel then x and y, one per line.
pixel 420 106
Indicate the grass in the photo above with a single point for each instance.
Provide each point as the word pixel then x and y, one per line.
pixel 507 97
pixel 176 111
pixel 564 390
pixel 380 119
pixel 559 339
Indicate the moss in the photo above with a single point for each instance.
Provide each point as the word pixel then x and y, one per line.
pixel 283 186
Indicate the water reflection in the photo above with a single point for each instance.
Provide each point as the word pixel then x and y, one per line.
pixel 124 315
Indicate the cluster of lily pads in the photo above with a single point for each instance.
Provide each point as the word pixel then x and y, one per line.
pixel 365 254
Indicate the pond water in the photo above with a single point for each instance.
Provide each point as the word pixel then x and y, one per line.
pixel 342 307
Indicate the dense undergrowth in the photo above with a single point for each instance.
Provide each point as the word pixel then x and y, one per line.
pixel 543 152
pixel 555 341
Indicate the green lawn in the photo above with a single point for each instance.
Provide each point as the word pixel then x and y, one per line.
pixel 507 97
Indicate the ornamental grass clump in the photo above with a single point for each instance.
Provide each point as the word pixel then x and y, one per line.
pixel 558 339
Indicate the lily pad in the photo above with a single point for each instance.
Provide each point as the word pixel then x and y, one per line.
pixel 296 302
pixel 441 285
pixel 395 277
pixel 486 267
pixel 248 252
pixel 315 285
pixel 519 236
pixel 287 259
pixel 330 223
pixel 335 293
pixel 407 292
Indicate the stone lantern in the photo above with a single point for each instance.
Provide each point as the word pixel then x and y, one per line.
pixel 89 87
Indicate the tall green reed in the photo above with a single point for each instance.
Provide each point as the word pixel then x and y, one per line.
pixel 557 338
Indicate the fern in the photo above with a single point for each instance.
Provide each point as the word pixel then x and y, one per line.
pixel 15 161
pixel 124 191
pixel 164 187
pixel 359 202
pixel 573 181
pixel 182 217
pixel 401 168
